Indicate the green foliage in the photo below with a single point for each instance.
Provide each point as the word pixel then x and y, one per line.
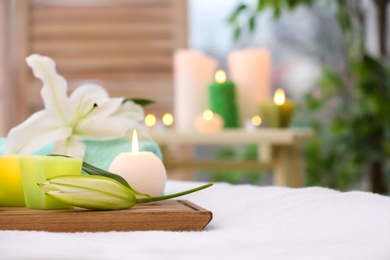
pixel 350 109
pixel 139 101
pixel 249 14
pixel 236 176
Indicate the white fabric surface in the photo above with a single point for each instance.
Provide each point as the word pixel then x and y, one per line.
pixel 249 223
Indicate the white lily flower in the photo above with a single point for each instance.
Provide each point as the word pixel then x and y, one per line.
pixel 87 114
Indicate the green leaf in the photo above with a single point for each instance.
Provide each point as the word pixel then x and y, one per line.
pixel 237 33
pixel 313 103
pixel 92 170
pixel 330 80
pixel 252 23
pixel 235 14
pixel 139 101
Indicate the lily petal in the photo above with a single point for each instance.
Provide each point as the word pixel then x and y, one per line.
pixel 92 192
pixel 102 128
pixel 39 130
pixel 72 146
pixel 107 108
pixel 86 96
pixel 130 109
pixel 54 87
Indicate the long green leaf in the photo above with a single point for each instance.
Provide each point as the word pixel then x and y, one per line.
pixel 139 101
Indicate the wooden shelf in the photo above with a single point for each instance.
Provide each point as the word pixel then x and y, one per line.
pixel 278 149
pixel 236 136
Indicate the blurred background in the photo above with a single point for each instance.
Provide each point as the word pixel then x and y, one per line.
pixel 331 58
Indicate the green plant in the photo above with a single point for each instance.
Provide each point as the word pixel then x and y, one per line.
pixel 237 176
pixel 354 142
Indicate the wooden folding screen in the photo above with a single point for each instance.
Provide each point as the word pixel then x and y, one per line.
pixel 125 45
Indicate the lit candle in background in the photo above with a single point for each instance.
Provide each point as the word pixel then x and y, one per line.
pixel 11 190
pixel 223 99
pixel 256 121
pixel 144 171
pixel 150 120
pixel 286 108
pixel 279 112
pixel 167 120
pixel 208 122
pixel 253 123
pixel 165 123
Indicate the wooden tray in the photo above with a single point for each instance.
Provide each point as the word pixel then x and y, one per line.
pixel 169 215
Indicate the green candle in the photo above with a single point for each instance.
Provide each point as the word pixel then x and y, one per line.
pixel 11 191
pixel 37 169
pixel 286 111
pixel 269 113
pixel 223 99
pixel 279 112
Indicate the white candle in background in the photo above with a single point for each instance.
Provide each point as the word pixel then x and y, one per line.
pixel 193 71
pixel 250 69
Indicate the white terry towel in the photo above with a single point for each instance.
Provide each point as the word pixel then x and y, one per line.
pixel 248 223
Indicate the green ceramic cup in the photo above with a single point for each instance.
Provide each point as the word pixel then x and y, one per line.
pixel 36 169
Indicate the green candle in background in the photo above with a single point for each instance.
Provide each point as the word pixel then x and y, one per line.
pixel 279 112
pixel 222 96
pixel 36 169
pixel 11 190
pixel 286 112
pixel 269 113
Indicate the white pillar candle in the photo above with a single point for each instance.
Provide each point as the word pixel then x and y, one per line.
pixel 208 122
pixel 250 69
pixel 193 71
pixel 144 171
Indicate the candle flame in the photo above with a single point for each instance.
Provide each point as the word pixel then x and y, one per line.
pixel 220 76
pixel 150 120
pixel 256 120
pixel 167 119
pixel 208 114
pixel 279 97
pixel 134 143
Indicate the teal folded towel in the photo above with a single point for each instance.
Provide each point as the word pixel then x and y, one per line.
pixel 102 153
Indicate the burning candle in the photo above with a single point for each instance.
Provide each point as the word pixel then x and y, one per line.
pixel 165 123
pixel 150 120
pixel 223 99
pixel 167 120
pixel 253 123
pixel 279 112
pixel 208 122
pixel 11 190
pixel 144 171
